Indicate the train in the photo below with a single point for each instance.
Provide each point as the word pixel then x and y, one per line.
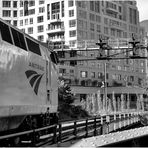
pixel 28 81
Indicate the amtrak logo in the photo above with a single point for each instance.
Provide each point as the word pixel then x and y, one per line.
pixel 35 79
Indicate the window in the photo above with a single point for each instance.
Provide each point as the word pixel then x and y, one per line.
pixel 55 8
pixel 105 30
pixel 132 78
pixel 62 8
pixel 7 4
pixel 97 6
pixel 14 4
pixel 40 19
pixel 83 74
pixel 70 3
pixel 31 20
pixel 92 6
pixel 120 8
pixel 72 43
pixel 14 13
pixel 40 28
pixel 62 71
pixel 34 47
pixel 98 18
pixel 21 22
pixel 26 21
pixel 72 23
pixel 41 2
pixel 5 33
pixel 21 12
pixel 73 53
pixel 25 8
pixel 106 21
pixel 30 30
pixel 21 3
pixel 6 13
pixel 92 27
pixel 41 38
pixel 82 14
pixel 31 11
pixel 71 13
pixel 92 17
pixel 15 23
pixel 72 33
pixel 18 39
pixel 41 9
pixel 98 28
pixel 32 3
pixel 92 74
pixel 71 71
pixel 92 35
pixel 99 75
pixel 61 54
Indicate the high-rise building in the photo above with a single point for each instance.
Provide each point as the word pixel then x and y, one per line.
pixel 71 21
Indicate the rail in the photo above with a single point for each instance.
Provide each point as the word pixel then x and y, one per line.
pixel 74 130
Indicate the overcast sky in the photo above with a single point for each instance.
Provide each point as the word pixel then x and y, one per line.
pixel 143 9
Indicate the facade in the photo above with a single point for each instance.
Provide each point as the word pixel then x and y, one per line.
pixel 71 21
pixel 79 25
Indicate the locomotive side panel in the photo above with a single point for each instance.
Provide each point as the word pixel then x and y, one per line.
pixel 22 78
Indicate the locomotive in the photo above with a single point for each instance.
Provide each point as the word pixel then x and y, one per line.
pixel 28 81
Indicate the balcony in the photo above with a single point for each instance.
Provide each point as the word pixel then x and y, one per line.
pixel 56 39
pixel 116 27
pixel 112 10
pixel 55 18
pixel 56 30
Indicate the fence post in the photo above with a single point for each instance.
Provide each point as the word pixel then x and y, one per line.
pixel 55 134
pixel 86 128
pixel 107 123
pixel 33 138
pixel 60 133
pixel 75 129
pixel 95 132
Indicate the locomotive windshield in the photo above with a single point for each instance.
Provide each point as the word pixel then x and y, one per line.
pixel 5 32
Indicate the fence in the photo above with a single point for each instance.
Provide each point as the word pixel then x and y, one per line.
pixel 77 129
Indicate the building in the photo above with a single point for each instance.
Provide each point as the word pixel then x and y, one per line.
pixel 79 25
pixel 71 21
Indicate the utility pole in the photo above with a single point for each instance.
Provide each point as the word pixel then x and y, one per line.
pixel 105 89
pixel 102 55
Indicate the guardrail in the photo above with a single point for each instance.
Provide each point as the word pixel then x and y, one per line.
pixel 77 129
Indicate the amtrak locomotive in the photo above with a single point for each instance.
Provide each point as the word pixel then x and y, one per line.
pixel 28 81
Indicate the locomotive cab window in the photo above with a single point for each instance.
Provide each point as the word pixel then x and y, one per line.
pixel 5 33
pixel 18 39
pixel 34 47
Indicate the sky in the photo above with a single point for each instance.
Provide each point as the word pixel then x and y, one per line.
pixel 143 9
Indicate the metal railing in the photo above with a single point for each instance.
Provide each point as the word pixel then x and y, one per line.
pixel 69 131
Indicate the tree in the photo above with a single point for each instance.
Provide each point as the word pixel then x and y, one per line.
pixel 66 108
pixel 66 98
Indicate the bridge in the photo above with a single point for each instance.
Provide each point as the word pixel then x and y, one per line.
pixel 111 129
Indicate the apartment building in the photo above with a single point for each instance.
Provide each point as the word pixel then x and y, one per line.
pixel 71 20
pixel 79 25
